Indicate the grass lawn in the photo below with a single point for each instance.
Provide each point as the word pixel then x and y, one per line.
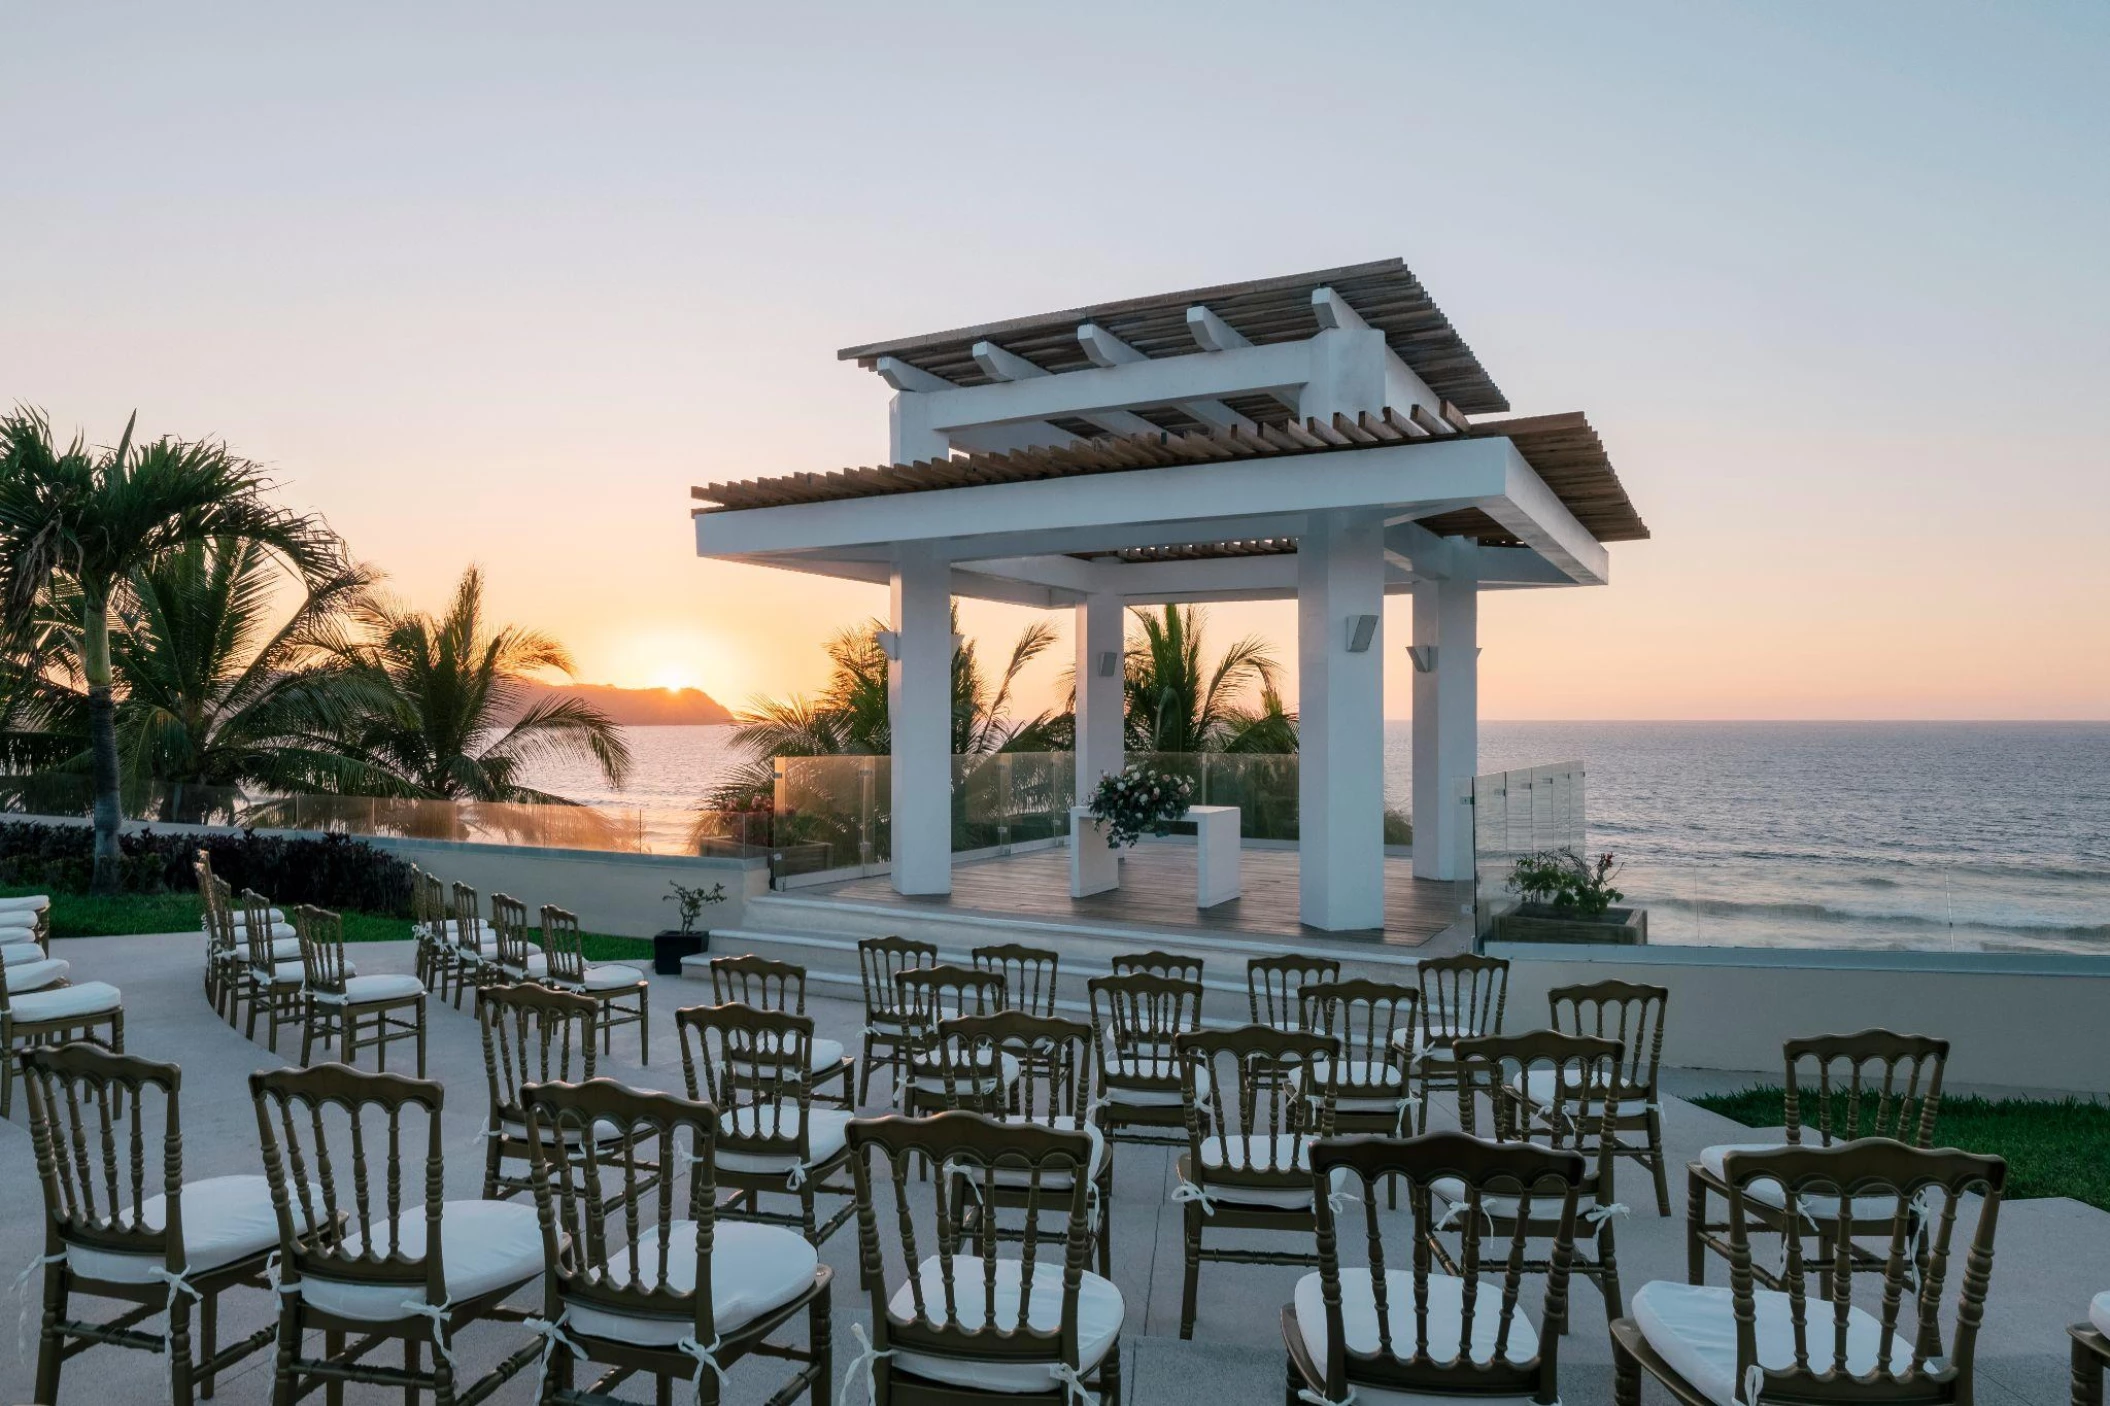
pixel 2053 1148
pixel 84 915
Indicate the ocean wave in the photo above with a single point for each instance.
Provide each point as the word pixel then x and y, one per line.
pixel 1825 913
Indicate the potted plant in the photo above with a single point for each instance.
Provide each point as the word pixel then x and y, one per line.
pixel 1137 801
pixel 1567 898
pixel 670 945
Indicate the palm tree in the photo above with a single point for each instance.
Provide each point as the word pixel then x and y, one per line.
pixel 849 716
pixel 1175 703
pixel 82 522
pixel 215 695
pixel 436 696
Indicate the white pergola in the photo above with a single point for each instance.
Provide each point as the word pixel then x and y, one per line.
pixel 1304 437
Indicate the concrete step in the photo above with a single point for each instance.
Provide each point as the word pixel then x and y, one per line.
pixel 821 935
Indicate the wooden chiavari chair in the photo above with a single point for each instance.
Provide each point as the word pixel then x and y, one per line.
pixel 879 961
pixel 928 996
pixel 770 985
pixel 516 958
pixel 276 984
pixel 1873 1331
pixel 1422 1333
pixel 1254 1100
pixel 532 1035
pixel 120 1223
pixel 1633 1015
pixel 1551 1089
pixel 1273 984
pixel 1028 973
pixel 674 1292
pixel 472 952
pixel 1372 1091
pixel 351 1009
pixel 1461 999
pixel 1165 964
pixel 1135 1019
pixel 622 992
pixel 962 1322
pixel 750 1065
pixel 369 1248
pixel 1877 1083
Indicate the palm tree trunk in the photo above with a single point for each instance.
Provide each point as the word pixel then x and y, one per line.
pixel 102 744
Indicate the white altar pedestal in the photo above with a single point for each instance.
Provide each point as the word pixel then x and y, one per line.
pixel 1095 867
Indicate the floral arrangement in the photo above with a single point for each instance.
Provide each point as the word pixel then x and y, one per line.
pixel 1570 884
pixel 1138 801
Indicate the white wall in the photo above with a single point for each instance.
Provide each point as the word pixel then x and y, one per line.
pixel 2029 1021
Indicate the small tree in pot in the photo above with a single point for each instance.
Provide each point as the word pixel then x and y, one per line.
pixel 670 945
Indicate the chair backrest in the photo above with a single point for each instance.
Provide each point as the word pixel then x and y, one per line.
pixel 1545 1087
pixel 1877 1083
pixel 582 1172
pixel 880 960
pixel 428 901
pixel 341 1217
pixel 1625 1011
pixel 1462 996
pixel 750 1064
pixel 321 949
pixel 1468 1343
pixel 761 982
pixel 1828 1189
pixel 926 995
pixel 1028 973
pixel 1252 1095
pixel 1158 964
pixel 1272 985
pixel 1054 1060
pixel 219 913
pixel 256 930
pixel 957 1307
pixel 1134 1020
pixel 533 1034
pixel 90 1115
pixel 1363 1016
pixel 562 947
pixel 468 919
pixel 509 927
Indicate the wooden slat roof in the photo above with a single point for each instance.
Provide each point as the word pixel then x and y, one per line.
pixel 1384 294
pixel 1562 449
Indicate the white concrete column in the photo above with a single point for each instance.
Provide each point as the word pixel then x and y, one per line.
pixel 1100 695
pixel 1340 706
pixel 919 715
pixel 910 438
pixel 1446 720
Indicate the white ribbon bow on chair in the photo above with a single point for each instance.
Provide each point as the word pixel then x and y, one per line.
pixel 867 1360
pixel 551 1333
pixel 705 1358
pixel 1188 1191
pixel 178 1285
pixel 22 1299
pixel 437 1312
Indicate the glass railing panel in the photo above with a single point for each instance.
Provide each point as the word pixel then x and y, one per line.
pixel 831 813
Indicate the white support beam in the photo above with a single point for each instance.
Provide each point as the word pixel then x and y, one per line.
pixel 1535 516
pixel 904 377
pixel 1278 368
pixel 1100 677
pixel 1001 365
pixel 1103 348
pixel 1340 783
pixel 1333 312
pixel 1446 720
pixel 919 707
pixel 1429 557
pixel 1211 333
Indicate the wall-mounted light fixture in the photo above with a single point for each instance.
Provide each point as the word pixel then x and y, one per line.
pixel 889 644
pixel 1424 657
pixel 1109 662
pixel 1361 630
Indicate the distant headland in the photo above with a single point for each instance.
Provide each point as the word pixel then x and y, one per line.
pixel 636 707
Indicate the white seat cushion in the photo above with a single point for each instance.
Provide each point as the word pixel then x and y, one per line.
pixel 1446 1321
pixel 605 1130
pixel 488 1245
pixel 284 974
pixel 931 1080
pixel 285 949
pixel 35 976
pixel 1545 1206
pixel 20 953
pixel 1289 1153
pixel 1371 1081
pixel 1100 1313
pixel 279 926
pixel 2099 1312
pixel 1126 1068
pixel 537 965
pixel 19 921
pixel 827 1133
pixel 825 1054
pixel 1692 1327
pixel 225 1219
pixel 615 977
pixel 1539 1086
pixel 68 1002
pixel 387 987
pixel 1771 1193
pixel 33 902
pixel 1052 1180
pixel 754 1268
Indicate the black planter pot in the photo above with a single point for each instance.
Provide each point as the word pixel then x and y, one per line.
pixel 668 948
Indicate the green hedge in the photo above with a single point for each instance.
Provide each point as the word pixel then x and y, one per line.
pixel 332 871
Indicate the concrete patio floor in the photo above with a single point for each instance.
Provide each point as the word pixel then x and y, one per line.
pixel 2051 1255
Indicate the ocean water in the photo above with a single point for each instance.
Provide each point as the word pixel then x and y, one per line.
pixel 1945 836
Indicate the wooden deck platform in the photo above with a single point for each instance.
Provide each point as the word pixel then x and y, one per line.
pixel 1157 892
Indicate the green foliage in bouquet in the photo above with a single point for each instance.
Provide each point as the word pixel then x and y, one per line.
pixel 1138 801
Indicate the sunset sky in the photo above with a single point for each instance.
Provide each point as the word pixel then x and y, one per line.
pixel 498 284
